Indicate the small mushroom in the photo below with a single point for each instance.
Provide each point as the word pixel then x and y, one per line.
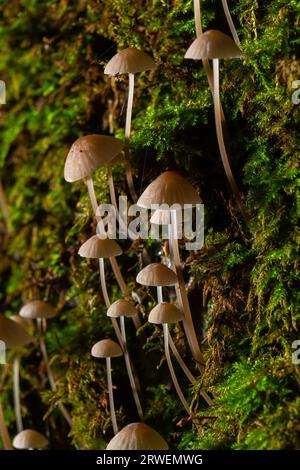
pixel 29 439
pixel 13 336
pixel 107 349
pixel 129 61
pixel 121 309
pixel 137 436
pixel 40 311
pixel 216 45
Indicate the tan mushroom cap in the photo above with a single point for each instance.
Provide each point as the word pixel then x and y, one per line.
pixel 165 313
pixel 29 439
pixel 129 60
pixel 88 153
pixel 26 323
pixel 157 274
pixel 95 247
pixel 213 44
pixel 121 308
pixel 13 335
pixel 106 348
pixel 37 309
pixel 169 188
pixel 137 436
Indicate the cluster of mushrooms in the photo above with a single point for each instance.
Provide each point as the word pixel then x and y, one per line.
pixel 87 154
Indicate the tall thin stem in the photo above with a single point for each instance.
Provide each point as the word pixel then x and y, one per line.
pixel 197 14
pixel 50 375
pixel 4 431
pixel 171 369
pixel 182 294
pixel 111 396
pixel 127 137
pixel 230 23
pixel 129 370
pixel 224 156
pixel 17 401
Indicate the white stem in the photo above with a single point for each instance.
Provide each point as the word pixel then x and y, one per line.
pixel 127 137
pixel 111 396
pixel 17 401
pixel 197 14
pixel 230 23
pixel 171 369
pixel 4 431
pixel 103 283
pixel 129 370
pixel 219 131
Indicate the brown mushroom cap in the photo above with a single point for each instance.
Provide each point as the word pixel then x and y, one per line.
pixel 213 44
pixel 106 348
pixel 13 335
pixel 37 309
pixel 29 439
pixel 129 60
pixel 95 247
pixel 165 313
pixel 121 308
pixel 157 274
pixel 88 153
pixel 137 436
pixel 169 188
pixel 26 323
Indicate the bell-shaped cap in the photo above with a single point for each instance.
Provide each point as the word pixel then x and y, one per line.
pixel 121 308
pixel 157 274
pixel 88 153
pixel 26 323
pixel 137 436
pixel 169 188
pixel 106 348
pixel 37 309
pixel 165 313
pixel 13 335
pixel 213 44
pixel 95 247
pixel 29 439
pixel 129 60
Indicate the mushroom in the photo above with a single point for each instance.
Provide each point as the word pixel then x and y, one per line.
pixel 13 336
pixel 165 313
pixel 106 348
pixel 121 309
pixel 29 439
pixel 129 61
pixel 171 188
pixel 26 324
pixel 216 45
pixel 40 311
pixel 137 436
pixel 96 247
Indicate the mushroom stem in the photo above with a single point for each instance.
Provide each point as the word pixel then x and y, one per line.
pixel 4 431
pixel 230 23
pixel 197 14
pixel 129 370
pixel 50 375
pixel 219 131
pixel 127 137
pixel 171 369
pixel 17 401
pixel 181 293
pixel 4 204
pixel 111 396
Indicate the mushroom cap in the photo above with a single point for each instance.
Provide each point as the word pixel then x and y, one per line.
pixel 121 308
pixel 26 323
pixel 130 60
pixel 88 153
pixel 165 313
pixel 137 436
pixel 95 247
pixel 169 188
pixel 13 335
pixel 29 439
pixel 106 348
pixel 213 44
pixel 157 274
pixel 37 309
